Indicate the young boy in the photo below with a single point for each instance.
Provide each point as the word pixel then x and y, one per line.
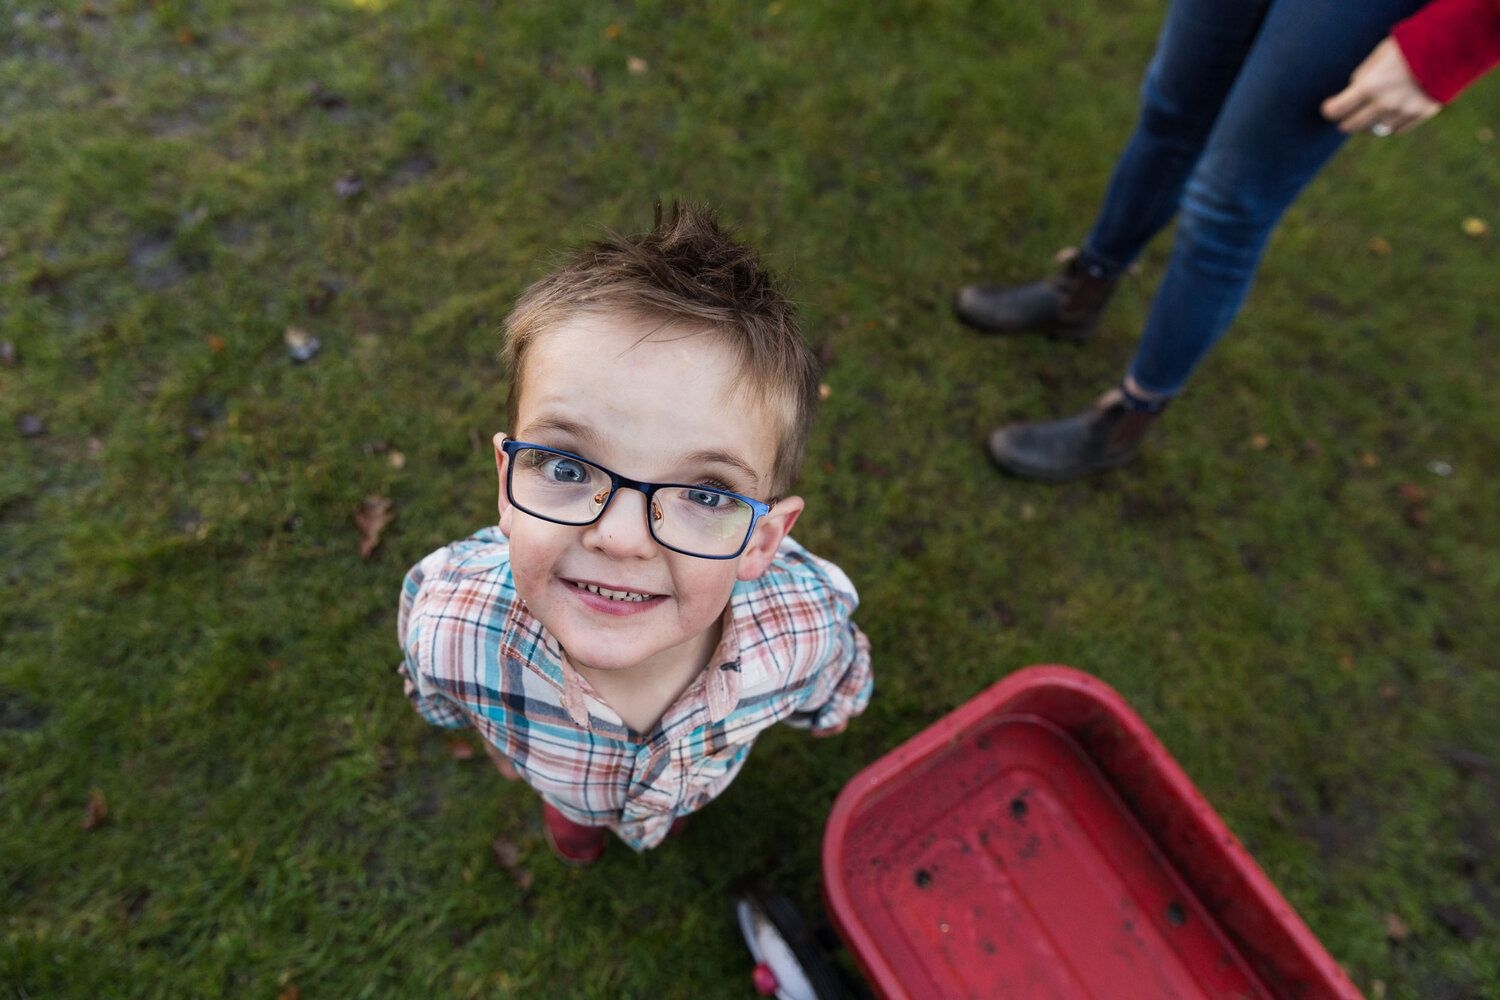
pixel 641 613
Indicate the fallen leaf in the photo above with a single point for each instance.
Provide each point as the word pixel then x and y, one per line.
pixel 185 37
pixel 1475 227
pixel 349 185
pixel 301 345
pixel 1028 512
pixel 1370 460
pixel 326 99
pixel 1377 990
pixel 1260 442
pixel 1414 501
pixel 508 857
pixel 1346 660
pixel 291 991
pixel 216 343
pixel 824 391
pixel 1396 929
pixel 1459 922
pixel 612 32
pixel 397 460
pixel 460 748
pixel 1379 247
pixel 479 60
pixel 97 810
pixel 372 516
pixel 1388 692
pixel 637 65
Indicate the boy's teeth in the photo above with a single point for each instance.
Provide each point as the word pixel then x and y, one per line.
pixel 615 595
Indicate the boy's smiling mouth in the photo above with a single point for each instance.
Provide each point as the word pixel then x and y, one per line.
pixel 624 596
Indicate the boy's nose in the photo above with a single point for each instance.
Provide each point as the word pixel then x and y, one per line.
pixel 621 530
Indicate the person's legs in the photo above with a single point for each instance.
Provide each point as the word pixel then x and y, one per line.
pixel 1200 49
pixel 1269 141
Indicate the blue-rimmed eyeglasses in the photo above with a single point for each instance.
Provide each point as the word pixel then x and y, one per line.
pixel 565 488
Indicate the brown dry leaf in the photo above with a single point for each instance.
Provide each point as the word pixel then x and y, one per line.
pixel 1380 247
pixel 1475 227
pixel 1396 929
pixel 460 748
pixel 824 391
pixel 397 459
pixel 508 857
pixel 185 37
pixel 216 343
pixel 1260 442
pixel 371 517
pixel 637 65
pixel 612 32
pixel 1369 460
pixel 291 991
pixel 1346 660
pixel 479 60
pixel 97 810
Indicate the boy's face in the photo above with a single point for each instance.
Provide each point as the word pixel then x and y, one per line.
pixel 654 405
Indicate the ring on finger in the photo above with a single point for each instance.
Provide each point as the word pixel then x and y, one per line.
pixel 1381 129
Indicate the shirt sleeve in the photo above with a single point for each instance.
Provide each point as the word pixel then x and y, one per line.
pixel 412 634
pixel 844 686
pixel 843 682
pixel 1449 44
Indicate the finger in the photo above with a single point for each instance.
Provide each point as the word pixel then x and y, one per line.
pixel 1341 105
pixel 1367 115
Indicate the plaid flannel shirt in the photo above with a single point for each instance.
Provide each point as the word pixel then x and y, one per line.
pixel 475 657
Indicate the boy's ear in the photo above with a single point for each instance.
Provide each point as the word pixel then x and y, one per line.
pixel 775 526
pixel 504 502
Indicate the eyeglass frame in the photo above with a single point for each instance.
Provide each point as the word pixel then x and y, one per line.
pixel 758 508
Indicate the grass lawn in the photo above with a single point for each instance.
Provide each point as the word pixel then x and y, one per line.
pixel 1297 587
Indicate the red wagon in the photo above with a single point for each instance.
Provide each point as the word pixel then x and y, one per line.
pixel 1040 842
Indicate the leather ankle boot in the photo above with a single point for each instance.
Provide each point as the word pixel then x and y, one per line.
pixel 1065 306
pixel 1105 436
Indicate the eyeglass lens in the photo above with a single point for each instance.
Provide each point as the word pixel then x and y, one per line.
pixel 697 520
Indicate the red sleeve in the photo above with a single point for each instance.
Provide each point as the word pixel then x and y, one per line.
pixel 1450 43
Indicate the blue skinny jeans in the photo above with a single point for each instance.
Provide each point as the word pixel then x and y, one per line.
pixel 1229 134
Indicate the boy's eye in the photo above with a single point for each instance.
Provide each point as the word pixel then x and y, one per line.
pixel 708 499
pixel 565 470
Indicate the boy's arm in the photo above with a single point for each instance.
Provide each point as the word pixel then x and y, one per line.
pixel 426 697
pixel 841 688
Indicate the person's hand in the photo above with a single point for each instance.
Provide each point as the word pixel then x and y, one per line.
pixel 1382 96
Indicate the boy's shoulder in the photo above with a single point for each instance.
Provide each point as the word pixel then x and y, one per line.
pixel 481 560
pixel 797 583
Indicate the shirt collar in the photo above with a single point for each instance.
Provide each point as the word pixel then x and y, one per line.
pixel 525 639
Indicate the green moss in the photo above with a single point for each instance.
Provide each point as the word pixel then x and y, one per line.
pixel 186 626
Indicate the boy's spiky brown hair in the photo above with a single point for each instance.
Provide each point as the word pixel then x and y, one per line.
pixel 688 271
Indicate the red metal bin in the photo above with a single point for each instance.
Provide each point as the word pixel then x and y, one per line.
pixel 1039 841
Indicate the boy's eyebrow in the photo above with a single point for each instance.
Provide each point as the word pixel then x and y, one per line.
pixel 562 425
pixel 585 436
pixel 714 457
